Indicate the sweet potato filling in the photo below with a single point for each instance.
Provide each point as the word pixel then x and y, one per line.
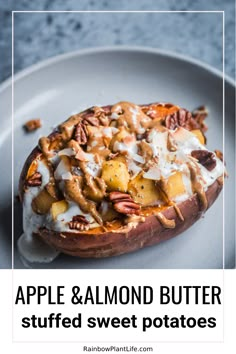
pixel 117 162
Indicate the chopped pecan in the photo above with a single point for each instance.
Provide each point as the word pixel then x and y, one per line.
pixel 81 134
pixel 101 114
pixel 124 204
pixel 199 115
pixel 181 118
pixel 107 109
pixel 205 158
pixel 35 180
pixel 32 125
pixel 90 119
pixel 79 222
pixel 97 116
pixel 104 120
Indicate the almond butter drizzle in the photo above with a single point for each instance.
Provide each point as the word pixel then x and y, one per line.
pixel 177 210
pixel 67 128
pixel 130 116
pixel 44 144
pixel 197 187
pixel 168 224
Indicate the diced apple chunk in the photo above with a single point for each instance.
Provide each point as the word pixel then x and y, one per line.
pixel 199 135
pixel 115 175
pixel 59 207
pixel 143 191
pixel 174 185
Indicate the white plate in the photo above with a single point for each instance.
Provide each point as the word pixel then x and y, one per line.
pixel 54 89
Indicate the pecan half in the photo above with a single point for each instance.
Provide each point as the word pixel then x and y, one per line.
pixel 127 208
pixel 119 196
pixel 32 125
pixel 79 222
pixel 124 204
pixel 91 120
pixel 35 180
pixel 181 118
pixel 97 116
pixel 81 134
pixel 199 115
pixel 101 114
pixel 205 158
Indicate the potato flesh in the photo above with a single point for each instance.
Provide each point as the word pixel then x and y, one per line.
pixel 58 208
pixel 115 175
pixel 144 191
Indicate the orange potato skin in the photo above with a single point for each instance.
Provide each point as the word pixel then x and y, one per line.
pixel 108 244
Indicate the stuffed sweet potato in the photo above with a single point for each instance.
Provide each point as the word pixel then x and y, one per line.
pixel 113 179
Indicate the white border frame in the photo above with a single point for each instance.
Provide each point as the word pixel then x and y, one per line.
pixel 179 56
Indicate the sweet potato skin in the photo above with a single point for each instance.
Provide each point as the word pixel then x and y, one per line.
pixel 106 244
pixel 150 232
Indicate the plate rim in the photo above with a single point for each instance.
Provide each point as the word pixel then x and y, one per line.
pixel 116 48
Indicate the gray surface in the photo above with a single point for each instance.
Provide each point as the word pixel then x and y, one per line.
pixel 55 90
pixel 39 36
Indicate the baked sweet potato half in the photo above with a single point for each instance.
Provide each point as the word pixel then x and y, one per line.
pixel 113 179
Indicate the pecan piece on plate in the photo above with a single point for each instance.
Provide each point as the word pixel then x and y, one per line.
pixel 205 158
pixel 81 134
pixel 32 125
pixel 35 180
pixel 124 204
pixel 79 222
pixel 181 118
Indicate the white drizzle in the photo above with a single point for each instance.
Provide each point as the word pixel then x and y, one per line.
pixel 30 247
